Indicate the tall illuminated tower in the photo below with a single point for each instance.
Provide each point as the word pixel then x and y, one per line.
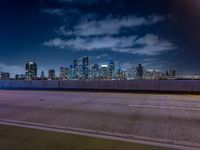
pixel 31 70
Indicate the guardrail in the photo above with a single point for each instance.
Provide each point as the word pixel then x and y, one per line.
pixel 191 86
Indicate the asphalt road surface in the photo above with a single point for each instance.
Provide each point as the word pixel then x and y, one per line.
pixel 169 118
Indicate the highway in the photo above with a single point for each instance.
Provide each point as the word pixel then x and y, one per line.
pixel 170 119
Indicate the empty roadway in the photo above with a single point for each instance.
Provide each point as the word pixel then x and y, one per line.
pixel 174 118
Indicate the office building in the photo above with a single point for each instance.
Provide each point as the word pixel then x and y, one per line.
pixel 76 69
pixel 140 71
pixel 31 70
pixel 123 74
pixel 85 68
pixel 170 73
pixel 95 72
pixel 64 73
pixel 131 73
pixel 17 77
pixel 111 69
pixel 42 76
pixel 71 71
pixel 104 72
pixel 4 76
pixel 20 76
pixel 152 74
pixel 51 74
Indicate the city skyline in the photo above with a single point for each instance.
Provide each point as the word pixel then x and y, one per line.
pixel 92 62
pixel 160 34
pixel 83 69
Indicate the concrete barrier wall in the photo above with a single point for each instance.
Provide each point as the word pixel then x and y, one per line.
pixel 126 85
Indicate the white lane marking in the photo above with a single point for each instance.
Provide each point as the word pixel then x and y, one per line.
pixel 165 107
pixel 104 135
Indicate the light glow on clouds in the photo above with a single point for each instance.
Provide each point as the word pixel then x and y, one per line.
pixel 105 34
pixel 151 44
pixel 110 26
pixel 92 43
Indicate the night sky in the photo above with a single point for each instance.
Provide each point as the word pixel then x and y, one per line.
pixel 160 34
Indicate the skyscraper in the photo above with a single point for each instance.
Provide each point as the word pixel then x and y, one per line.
pixel 131 73
pixel 118 70
pixel 95 71
pixel 16 77
pixel 64 73
pixel 140 71
pixel 4 76
pixel 42 77
pixel 71 72
pixel 171 73
pixel 51 74
pixel 76 69
pixel 85 69
pixel 111 69
pixel 31 70
pixel 67 73
pixel 104 72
